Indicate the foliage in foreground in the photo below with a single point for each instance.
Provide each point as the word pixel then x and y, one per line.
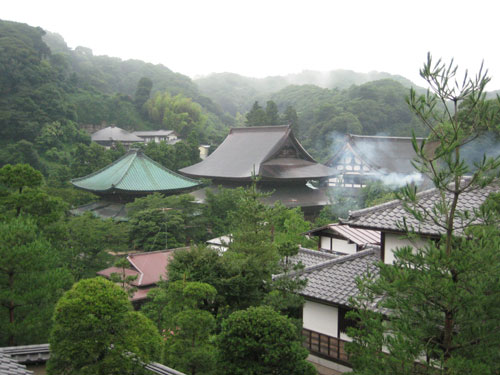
pixel 96 332
pixel 261 341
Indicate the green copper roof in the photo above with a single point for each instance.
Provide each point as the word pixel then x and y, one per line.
pixel 134 172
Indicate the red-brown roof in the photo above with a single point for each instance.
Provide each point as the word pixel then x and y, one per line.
pixel 152 266
pixel 149 268
pixel 108 271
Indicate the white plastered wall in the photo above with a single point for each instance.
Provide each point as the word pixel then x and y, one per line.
pixel 343 246
pixel 325 243
pixel 320 318
pixel 394 241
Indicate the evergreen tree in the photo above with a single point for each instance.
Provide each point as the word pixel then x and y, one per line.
pixel 256 116
pixel 31 281
pixel 261 341
pixel 143 92
pixel 442 300
pixel 96 332
pixel 272 115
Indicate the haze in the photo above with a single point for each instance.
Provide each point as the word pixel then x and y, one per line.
pixel 263 38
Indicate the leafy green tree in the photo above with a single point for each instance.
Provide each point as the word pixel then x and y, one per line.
pixel 217 206
pixel 251 251
pixel 31 281
pixel 88 159
pixel 86 242
pixel 272 115
pixel 143 92
pixel 175 112
pixel 186 326
pixel 291 118
pixel 202 264
pixel 96 331
pixel 121 278
pixel 256 116
pixel 21 152
pixel 261 341
pixel 158 222
pixel 23 195
pixel 441 299
pixel 284 295
pixel 19 176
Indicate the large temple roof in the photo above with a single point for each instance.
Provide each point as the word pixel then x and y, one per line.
pixel 272 152
pixel 134 173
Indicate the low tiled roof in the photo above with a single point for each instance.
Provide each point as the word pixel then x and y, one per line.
pixel 103 209
pixel 9 366
pixel 334 281
pixel 110 270
pixel 149 267
pixel 134 172
pixel 355 235
pixel 116 134
pixel 153 133
pixel 387 216
pixel 152 266
pixel 310 257
pixel 10 356
pixel 27 354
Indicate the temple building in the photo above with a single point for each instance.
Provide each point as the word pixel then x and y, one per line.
pixel 133 175
pixel 365 158
pixel 275 156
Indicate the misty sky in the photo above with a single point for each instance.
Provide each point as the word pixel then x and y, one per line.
pixel 274 37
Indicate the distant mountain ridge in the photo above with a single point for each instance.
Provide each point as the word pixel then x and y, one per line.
pixel 236 93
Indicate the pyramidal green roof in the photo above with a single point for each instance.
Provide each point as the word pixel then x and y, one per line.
pixel 134 172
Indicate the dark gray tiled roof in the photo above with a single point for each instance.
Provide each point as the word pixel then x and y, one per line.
pixel 387 216
pixel 114 133
pixel 355 235
pixel 310 257
pixel 8 366
pixel 334 281
pixel 262 150
pixel 28 353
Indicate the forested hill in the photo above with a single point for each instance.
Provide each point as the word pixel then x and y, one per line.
pixel 112 75
pixel 324 116
pixel 236 93
pixel 48 93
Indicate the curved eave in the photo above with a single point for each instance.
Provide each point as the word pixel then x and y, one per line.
pixel 136 192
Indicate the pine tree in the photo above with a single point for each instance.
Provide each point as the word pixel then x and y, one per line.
pixel 441 301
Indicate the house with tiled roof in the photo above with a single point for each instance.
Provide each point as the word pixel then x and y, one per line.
pixel 331 282
pixel 389 217
pixel 344 239
pixel 111 135
pixel 147 268
pixel 157 136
